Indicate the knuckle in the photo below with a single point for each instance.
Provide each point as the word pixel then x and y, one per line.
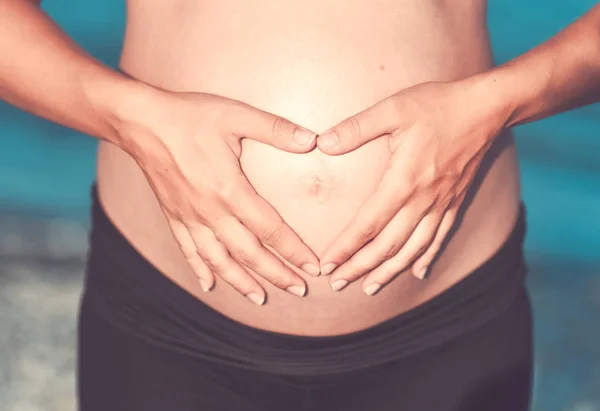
pixel 272 235
pixel 228 276
pixel 244 257
pixel 390 251
pixel 213 265
pixel 431 173
pixel 227 110
pixel 353 129
pixel 198 217
pixel 391 107
pixel 228 190
pixel 422 249
pixel 281 128
pixel 292 256
pixel 367 232
pixel 423 258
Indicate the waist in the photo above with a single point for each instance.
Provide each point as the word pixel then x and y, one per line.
pixel 132 295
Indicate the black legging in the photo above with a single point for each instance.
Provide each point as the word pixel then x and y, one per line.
pixel 145 344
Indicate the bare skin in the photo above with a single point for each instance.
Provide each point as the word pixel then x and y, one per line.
pixel 177 168
pixel 326 63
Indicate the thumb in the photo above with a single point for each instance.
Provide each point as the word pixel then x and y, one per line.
pixel 353 132
pixel 270 129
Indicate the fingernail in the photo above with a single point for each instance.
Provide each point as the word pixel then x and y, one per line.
pixel 256 298
pixel 311 269
pixel 204 285
pixel 328 140
pixel 338 285
pixel 328 268
pixel 298 290
pixel 304 137
pixel 421 274
pixel 372 289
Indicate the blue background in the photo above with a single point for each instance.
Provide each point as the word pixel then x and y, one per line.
pixel 46 170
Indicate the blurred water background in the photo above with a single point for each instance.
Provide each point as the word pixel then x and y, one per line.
pixel 46 172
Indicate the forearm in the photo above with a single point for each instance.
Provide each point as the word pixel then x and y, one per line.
pixel 46 73
pixel 559 75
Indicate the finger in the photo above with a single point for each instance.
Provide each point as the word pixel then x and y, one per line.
pixel 372 217
pixel 421 265
pixel 268 226
pixel 357 130
pixel 248 251
pixel 384 247
pixel 190 253
pixel 419 240
pixel 259 125
pixel 217 259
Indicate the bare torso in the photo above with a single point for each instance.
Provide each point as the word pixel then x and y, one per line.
pixel 314 62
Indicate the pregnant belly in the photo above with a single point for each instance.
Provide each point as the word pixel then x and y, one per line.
pixel 314 80
pixel 316 194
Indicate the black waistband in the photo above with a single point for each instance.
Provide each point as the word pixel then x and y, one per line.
pixel 131 294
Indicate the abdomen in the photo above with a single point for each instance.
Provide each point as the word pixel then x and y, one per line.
pixel 314 63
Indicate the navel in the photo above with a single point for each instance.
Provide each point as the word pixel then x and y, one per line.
pixel 315 187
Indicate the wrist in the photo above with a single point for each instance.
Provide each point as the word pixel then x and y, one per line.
pixel 491 95
pixel 122 104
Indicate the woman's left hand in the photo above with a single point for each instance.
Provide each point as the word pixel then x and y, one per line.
pixel 438 135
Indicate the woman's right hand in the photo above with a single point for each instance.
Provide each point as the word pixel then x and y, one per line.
pixel 188 145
